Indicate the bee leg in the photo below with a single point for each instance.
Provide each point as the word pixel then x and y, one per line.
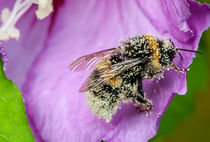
pixel 140 86
pixel 178 69
pixel 143 104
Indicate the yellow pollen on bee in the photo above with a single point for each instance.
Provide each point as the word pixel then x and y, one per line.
pixel 103 64
pixel 115 82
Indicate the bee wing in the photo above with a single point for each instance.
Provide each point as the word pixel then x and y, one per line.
pixel 89 61
pixel 110 73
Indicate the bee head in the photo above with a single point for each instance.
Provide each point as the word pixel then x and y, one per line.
pixel 167 52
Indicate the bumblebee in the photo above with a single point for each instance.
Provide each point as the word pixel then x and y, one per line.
pixel 118 73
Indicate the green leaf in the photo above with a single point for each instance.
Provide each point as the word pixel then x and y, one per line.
pixel 14 125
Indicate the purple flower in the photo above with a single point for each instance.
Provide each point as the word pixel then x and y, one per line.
pixel 38 63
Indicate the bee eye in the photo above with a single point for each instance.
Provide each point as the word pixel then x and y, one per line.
pixel 167 57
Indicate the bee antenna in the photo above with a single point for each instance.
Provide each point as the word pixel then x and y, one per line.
pixel 189 51
pixel 180 56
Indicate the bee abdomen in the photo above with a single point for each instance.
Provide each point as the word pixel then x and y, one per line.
pixel 105 102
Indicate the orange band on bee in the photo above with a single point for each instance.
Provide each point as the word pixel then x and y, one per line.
pixel 154 46
pixel 116 82
pixel 104 64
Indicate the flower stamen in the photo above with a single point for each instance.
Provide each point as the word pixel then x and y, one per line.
pixel 9 19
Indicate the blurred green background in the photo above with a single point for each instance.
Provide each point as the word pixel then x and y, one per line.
pixel 188 117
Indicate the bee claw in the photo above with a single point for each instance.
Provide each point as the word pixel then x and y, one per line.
pixel 144 107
